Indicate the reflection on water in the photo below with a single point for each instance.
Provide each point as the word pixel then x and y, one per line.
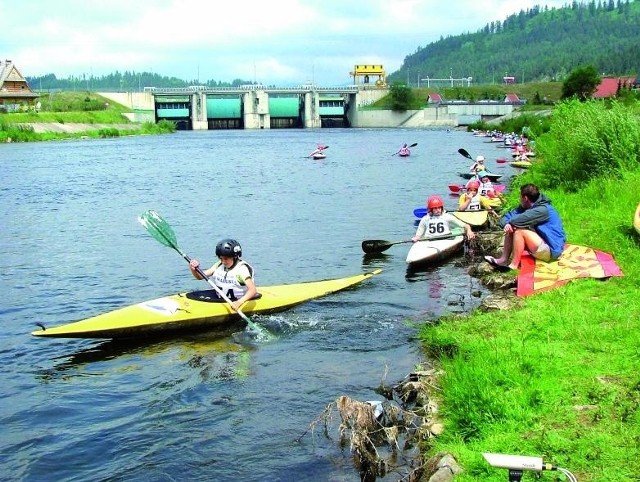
pixel 196 350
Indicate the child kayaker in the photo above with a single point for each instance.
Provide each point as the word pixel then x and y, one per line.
pixel 438 223
pixel 230 273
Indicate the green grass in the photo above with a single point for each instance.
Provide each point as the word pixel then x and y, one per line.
pixel 72 107
pixel 17 133
pixel 557 378
pixel 75 108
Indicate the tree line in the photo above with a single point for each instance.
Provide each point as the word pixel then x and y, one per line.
pixel 535 45
pixel 119 82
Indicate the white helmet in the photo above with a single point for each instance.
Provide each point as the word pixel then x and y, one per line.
pixel 480 159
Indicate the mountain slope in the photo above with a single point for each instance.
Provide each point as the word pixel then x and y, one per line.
pixel 536 45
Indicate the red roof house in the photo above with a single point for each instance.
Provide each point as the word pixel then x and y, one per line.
pixel 512 99
pixel 609 86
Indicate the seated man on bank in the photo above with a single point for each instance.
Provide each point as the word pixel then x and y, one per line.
pixel 535 225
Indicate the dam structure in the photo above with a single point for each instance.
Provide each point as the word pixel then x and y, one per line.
pixel 309 106
pixel 254 106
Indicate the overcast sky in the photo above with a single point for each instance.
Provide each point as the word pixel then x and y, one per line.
pixel 277 42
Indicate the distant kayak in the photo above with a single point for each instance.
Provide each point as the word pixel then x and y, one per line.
pixel 404 152
pixel 468 175
pixel 319 155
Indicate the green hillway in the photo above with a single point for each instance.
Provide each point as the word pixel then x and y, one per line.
pixel 559 377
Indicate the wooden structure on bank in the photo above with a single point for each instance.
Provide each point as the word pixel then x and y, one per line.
pixel 15 92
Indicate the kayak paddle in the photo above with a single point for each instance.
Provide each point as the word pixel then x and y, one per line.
pixel 380 245
pixel 162 232
pixel 465 153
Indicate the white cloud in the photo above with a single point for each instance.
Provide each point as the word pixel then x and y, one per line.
pixel 281 41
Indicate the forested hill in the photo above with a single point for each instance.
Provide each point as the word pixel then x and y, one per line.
pixel 539 44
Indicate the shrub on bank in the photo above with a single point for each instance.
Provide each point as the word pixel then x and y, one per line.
pixel 587 140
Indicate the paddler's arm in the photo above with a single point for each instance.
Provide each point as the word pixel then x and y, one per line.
pixel 251 292
pixel 422 229
pixel 463 202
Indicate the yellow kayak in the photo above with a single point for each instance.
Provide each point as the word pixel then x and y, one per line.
pixel 521 164
pixel 195 310
pixel 474 218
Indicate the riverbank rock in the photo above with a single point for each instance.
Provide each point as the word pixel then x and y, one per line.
pixel 441 468
pixel 503 285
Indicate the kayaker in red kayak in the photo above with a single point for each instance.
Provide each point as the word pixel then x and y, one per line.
pixel 404 151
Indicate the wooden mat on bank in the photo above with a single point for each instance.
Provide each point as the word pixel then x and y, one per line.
pixel 575 262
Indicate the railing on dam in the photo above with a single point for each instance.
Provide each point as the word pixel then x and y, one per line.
pixel 302 89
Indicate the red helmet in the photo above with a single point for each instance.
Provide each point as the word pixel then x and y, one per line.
pixel 434 202
pixel 473 185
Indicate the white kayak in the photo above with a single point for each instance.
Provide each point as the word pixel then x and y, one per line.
pixel 432 251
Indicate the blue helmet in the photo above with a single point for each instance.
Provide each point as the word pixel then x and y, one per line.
pixel 229 248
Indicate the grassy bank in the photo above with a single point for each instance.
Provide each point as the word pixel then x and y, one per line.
pixel 558 378
pixel 25 133
pixel 74 108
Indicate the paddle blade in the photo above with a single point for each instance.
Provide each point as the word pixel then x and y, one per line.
pixel 420 212
pixel 414 144
pixel 465 153
pixel 159 229
pixel 455 188
pixel 375 246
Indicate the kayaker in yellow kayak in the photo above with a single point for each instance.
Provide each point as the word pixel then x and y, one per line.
pixel 230 273
pixel 473 201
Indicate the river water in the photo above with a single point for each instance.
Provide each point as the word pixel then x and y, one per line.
pixel 204 407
